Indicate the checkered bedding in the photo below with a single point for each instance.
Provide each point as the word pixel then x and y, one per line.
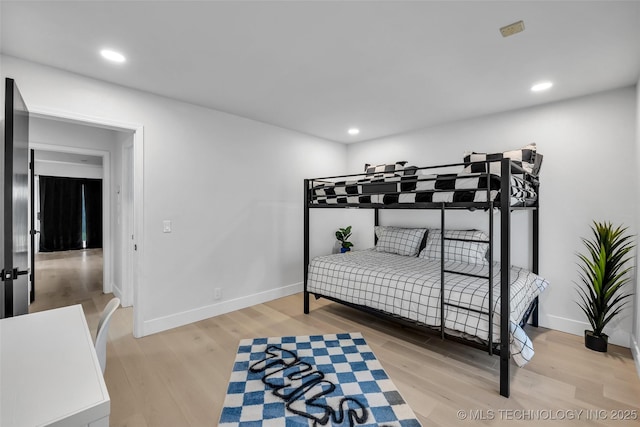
pixel 409 287
pixel 420 187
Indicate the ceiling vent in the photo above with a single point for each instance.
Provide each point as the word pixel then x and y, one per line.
pixel 511 29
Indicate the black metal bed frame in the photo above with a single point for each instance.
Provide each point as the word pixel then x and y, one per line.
pixel 505 208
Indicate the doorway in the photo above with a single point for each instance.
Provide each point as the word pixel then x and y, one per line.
pixel 118 277
pixel 68 219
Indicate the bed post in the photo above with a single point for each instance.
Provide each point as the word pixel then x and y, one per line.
pixel 306 244
pixel 505 267
pixel 536 250
pixel 376 222
pixel 442 241
pixel 490 254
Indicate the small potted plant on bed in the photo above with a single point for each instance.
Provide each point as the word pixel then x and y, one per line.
pixel 342 235
pixel 603 275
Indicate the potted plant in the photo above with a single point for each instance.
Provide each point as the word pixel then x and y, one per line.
pixel 603 275
pixel 342 235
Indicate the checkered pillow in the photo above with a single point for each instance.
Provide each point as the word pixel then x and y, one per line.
pixel 525 158
pixel 384 170
pixel 456 250
pixel 401 241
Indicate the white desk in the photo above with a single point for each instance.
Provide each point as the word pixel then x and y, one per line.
pixel 49 372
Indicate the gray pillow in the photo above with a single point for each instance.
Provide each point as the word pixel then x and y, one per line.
pixel 456 250
pixel 401 241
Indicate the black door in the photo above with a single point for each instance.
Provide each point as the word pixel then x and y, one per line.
pixel 15 198
pixel 32 222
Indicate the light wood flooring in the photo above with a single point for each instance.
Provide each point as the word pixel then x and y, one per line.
pixel 67 278
pixel 179 377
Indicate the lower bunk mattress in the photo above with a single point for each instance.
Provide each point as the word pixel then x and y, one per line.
pixel 409 287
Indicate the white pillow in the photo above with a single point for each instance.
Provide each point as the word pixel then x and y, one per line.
pixel 379 229
pixel 455 250
pixel 401 241
pixel 524 157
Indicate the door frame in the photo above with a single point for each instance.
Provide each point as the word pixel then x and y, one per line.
pixel 131 295
pixel 126 217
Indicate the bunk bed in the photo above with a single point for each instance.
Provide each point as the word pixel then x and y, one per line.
pixel 485 183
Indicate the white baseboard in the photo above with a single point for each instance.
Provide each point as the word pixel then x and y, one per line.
pixel 576 327
pixel 117 292
pixel 180 319
pixel 635 351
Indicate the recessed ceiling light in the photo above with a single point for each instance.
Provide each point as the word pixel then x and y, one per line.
pixel 539 87
pixel 353 131
pixel 112 55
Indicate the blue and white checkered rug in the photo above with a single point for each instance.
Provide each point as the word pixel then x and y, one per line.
pixel 318 380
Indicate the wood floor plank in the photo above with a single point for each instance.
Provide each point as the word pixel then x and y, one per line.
pixel 179 377
pixel 152 395
pixel 168 365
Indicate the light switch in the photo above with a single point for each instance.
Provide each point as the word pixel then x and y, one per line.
pixel 166 226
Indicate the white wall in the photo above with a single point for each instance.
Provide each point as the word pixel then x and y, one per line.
pixel 119 210
pixel 232 188
pixel 67 135
pixel 589 173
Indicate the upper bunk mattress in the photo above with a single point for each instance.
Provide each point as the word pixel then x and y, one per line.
pixel 409 287
pixel 421 188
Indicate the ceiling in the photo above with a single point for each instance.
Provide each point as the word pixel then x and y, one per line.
pixel 321 67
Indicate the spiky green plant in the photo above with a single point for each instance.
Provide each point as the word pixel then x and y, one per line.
pixel 342 235
pixel 603 274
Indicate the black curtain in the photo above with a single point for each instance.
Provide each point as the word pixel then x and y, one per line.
pixel 61 213
pixel 93 212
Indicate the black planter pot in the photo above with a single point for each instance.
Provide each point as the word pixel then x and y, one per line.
pixel 596 342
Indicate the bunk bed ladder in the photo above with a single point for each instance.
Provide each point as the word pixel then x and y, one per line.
pixel 444 271
pixel 505 263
